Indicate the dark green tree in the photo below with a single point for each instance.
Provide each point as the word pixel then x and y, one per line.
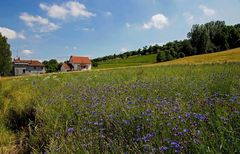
pixel 95 64
pixel 51 65
pixel 5 57
pixel 161 56
pixel 187 48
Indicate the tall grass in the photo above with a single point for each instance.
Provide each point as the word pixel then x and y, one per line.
pixel 167 109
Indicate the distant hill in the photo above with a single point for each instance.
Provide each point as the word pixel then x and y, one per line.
pixel 232 55
pixel 218 57
pixel 130 61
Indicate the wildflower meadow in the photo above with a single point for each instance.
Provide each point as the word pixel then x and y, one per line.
pixel 160 109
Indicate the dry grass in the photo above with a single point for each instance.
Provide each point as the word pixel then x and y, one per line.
pixel 218 57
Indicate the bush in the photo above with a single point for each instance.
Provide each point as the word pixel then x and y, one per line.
pixel 181 55
pixel 95 64
pixel 161 56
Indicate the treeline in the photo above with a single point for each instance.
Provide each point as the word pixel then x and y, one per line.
pixel 203 38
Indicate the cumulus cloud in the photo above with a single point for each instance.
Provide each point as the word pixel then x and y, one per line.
pixel 68 9
pixel 26 52
pixel 39 23
pixel 158 21
pixel 11 34
pixel 207 11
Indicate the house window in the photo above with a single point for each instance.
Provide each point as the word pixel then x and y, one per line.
pixel 35 67
pixel 24 71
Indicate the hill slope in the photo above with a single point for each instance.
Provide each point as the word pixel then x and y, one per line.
pixel 217 57
pixel 130 61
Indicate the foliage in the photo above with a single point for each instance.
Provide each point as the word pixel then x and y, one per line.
pixel 51 65
pixel 95 64
pixel 5 57
pixel 161 57
pixel 167 109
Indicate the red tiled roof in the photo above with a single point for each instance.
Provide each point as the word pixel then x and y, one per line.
pixel 67 66
pixel 29 62
pixel 80 60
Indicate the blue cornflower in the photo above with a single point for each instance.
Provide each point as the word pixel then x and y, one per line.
pixel 175 144
pixel 200 117
pixel 175 128
pixel 163 148
pixel 129 103
pixel 187 115
pixel 70 130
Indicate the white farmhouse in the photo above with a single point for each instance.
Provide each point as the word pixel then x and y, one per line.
pixel 24 67
pixel 80 63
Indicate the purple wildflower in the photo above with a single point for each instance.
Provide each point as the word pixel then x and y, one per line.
pixel 70 130
pixel 163 148
pixel 175 144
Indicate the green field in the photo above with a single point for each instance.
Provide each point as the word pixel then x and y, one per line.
pixel 157 109
pixel 130 61
pixel 218 57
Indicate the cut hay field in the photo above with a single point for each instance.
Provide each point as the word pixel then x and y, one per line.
pixel 155 109
pixel 218 57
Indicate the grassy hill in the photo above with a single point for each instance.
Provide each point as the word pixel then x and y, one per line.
pixel 130 61
pixel 218 57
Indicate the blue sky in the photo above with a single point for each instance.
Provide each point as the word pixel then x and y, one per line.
pixel 46 29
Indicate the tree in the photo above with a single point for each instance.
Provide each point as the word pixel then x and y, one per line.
pixel 169 56
pixel 5 57
pixel 161 56
pixel 95 64
pixel 181 55
pixel 51 65
pixel 187 48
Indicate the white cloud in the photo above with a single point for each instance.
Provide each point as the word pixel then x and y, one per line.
pixel 88 29
pixel 108 13
pixel 55 11
pixel 128 25
pixel 11 34
pixel 207 11
pixel 39 23
pixel 26 52
pixel 68 9
pixel 158 21
pixel 124 49
pixel 188 17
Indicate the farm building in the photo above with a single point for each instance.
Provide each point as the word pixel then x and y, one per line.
pixel 24 67
pixel 80 63
pixel 66 67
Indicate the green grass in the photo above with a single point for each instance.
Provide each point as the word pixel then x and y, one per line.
pixel 218 57
pixel 131 61
pixel 130 110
